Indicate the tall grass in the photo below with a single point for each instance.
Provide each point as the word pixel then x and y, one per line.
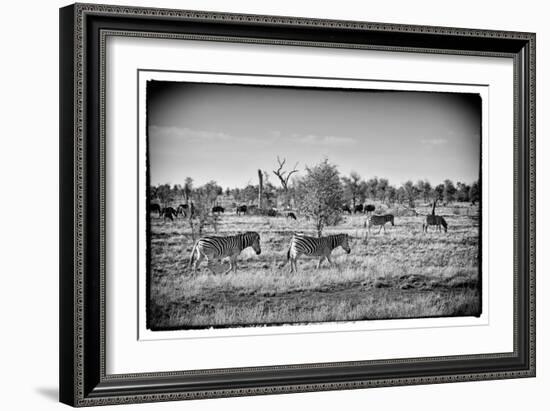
pixel 403 273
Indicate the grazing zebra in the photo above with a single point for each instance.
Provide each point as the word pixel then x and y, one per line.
pixel 437 220
pixel 291 215
pixel 210 248
pixel 380 220
pixel 169 212
pixel 315 246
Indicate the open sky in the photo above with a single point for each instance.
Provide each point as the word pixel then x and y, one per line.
pixel 227 132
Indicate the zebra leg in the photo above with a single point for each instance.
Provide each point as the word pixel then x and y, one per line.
pixel 197 261
pixel 381 229
pixel 293 265
pixel 320 262
pixel 329 261
pixel 230 267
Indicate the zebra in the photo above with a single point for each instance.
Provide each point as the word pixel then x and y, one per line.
pixel 315 246
pixel 437 220
pixel 211 247
pixel 380 220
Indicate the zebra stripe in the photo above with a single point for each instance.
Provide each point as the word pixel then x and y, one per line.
pixel 436 220
pixel 212 247
pixel 379 220
pixel 315 246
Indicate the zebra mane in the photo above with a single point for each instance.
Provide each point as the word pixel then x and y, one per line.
pixel 336 240
pixel 247 238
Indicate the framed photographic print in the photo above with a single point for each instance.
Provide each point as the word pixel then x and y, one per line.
pixel 263 204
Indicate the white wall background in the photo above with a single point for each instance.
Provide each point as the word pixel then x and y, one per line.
pixel 29 206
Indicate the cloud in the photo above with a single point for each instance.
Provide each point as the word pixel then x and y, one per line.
pixel 434 141
pixel 188 134
pixel 314 139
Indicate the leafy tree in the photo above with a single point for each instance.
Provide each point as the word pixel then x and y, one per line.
pixel 438 192
pixel 424 189
pixel 462 191
pixel 164 194
pixel 475 193
pixel 187 188
pixel 401 195
pixel 449 193
pixel 202 200
pixel 382 189
pixel 372 188
pixel 410 193
pixel 391 195
pixel 354 188
pixel 249 194
pixel 321 195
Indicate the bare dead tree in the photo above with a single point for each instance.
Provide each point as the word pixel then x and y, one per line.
pixel 284 176
pixel 260 188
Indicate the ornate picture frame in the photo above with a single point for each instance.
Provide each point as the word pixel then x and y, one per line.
pixel 84 30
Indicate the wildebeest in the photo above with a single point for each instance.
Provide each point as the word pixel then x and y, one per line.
pixel 436 220
pixel 315 246
pixel 212 247
pixel 379 220
pixel 218 209
pixel 346 209
pixel 291 215
pixel 358 209
pixel 155 208
pixel 271 212
pixel 369 208
pixel 185 210
pixel 182 209
pixel 169 212
pixel 241 209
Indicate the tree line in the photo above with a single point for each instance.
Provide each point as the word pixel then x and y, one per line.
pixel 319 193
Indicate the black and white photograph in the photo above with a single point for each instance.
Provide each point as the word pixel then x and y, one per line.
pixel 272 205
pixel 266 199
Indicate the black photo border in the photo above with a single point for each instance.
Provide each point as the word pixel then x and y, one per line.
pixel 83 31
pixel 236 83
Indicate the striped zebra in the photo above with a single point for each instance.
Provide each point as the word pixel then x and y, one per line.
pixel 315 246
pixel 210 248
pixel 436 220
pixel 379 220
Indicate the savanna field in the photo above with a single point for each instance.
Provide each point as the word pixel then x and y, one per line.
pixel 402 273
